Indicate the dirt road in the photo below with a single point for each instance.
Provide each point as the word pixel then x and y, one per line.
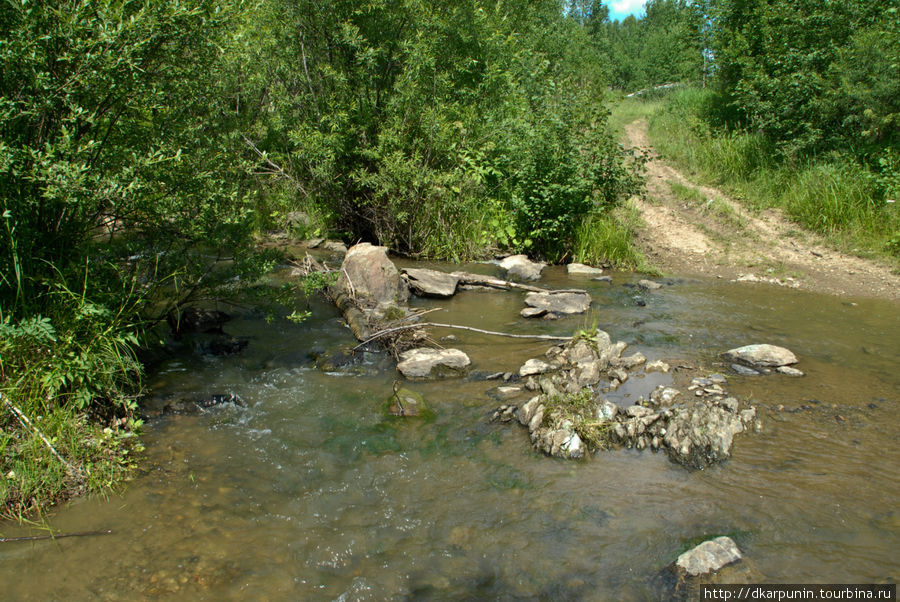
pixel 694 229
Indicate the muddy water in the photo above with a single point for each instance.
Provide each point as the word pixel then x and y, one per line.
pixel 310 494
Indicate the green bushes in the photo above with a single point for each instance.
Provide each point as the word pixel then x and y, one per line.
pixel 438 129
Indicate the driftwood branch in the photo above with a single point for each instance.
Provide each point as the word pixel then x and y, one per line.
pixel 30 425
pixel 60 536
pixel 275 167
pixel 387 331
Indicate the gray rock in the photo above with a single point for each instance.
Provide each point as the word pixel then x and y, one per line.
pixel 368 275
pixel 708 557
pixel 431 283
pixel 607 279
pixel 744 370
pixel 638 411
pixel 770 356
pixel 718 379
pixel 579 269
pixel 789 371
pixel 335 246
pixel 649 285
pixel 631 361
pixel 664 395
pixel 522 267
pixel 432 363
pixel 533 312
pixel 557 303
pixel 313 243
pixel 534 366
pixel 656 366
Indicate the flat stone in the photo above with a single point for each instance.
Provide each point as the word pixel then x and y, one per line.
pixel 534 366
pixel 789 371
pixel 433 363
pixel 580 269
pixel 522 267
pixel 533 312
pixel 708 557
pixel 744 370
pixel 649 285
pixel 558 303
pixel 761 355
pixel 607 279
pixel 431 283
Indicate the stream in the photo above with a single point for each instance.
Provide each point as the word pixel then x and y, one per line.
pixel 310 493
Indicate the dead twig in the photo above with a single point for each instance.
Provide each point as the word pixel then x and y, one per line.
pixel 60 536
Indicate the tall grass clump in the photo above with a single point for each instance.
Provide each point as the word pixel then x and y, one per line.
pixel 608 239
pixel 837 195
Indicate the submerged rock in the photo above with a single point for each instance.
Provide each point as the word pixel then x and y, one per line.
pixel 580 269
pixel 708 557
pixel 521 267
pixel 405 402
pixel 649 285
pixel 425 363
pixel 199 406
pixel 767 356
pixel 193 319
pixel 431 283
pixel 559 304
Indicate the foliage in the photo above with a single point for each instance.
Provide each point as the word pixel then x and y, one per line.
pixel 436 128
pixel 666 45
pixel 810 76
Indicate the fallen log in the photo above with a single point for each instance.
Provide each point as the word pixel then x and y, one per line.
pixel 499 283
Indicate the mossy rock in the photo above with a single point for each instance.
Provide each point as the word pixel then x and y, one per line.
pixel 406 403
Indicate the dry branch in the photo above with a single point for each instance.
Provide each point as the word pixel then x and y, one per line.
pixel 387 331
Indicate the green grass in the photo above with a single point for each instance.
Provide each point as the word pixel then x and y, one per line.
pixel 834 195
pixel 602 239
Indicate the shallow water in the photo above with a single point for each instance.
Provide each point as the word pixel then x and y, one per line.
pixel 311 494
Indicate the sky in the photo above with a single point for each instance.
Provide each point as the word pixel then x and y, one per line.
pixel 619 9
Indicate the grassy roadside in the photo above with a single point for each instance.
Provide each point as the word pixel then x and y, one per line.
pixel 835 196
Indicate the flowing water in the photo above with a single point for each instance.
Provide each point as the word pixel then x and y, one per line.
pixel 311 494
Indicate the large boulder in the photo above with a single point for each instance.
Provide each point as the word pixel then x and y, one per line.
pixel 431 283
pixel 423 363
pixel 368 276
pixel 521 267
pixel 555 304
pixel 708 557
pixel 763 356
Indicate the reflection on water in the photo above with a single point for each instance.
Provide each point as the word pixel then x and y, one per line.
pixel 310 494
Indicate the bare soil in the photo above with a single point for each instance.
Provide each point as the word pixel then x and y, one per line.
pixel 714 235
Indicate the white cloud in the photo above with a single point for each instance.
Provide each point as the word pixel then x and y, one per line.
pixel 619 9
